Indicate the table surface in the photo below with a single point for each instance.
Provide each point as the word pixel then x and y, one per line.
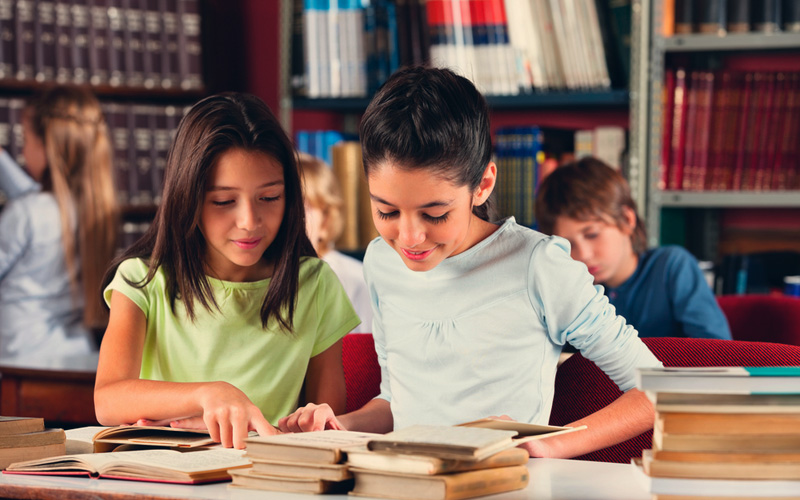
pixel 551 479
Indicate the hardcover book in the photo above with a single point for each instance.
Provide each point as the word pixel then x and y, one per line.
pixel 721 379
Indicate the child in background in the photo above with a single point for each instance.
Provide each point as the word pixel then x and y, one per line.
pixel 221 314
pixel 324 225
pixel 660 291
pixel 471 316
pixel 58 231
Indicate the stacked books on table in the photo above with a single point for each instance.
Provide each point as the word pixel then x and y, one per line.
pixel 419 462
pixel 723 432
pixel 156 454
pixel 26 438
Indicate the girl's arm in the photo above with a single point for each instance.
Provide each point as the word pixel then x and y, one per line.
pixel 122 398
pixel 628 416
pixel 325 379
pixel 375 416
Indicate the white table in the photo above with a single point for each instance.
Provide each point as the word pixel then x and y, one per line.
pixel 551 479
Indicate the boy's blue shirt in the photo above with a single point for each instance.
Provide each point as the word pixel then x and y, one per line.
pixel 668 296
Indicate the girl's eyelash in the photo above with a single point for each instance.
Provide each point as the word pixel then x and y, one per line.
pixel 222 203
pixel 436 220
pixel 270 198
pixel 385 216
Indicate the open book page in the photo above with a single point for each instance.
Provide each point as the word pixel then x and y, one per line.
pixel 525 431
pixel 153 464
pixel 468 443
pixel 81 439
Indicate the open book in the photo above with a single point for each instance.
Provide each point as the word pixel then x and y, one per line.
pixel 97 439
pixel 474 440
pixel 164 466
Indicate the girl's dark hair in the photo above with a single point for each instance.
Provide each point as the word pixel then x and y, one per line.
pixel 174 242
pixel 588 189
pixel 433 119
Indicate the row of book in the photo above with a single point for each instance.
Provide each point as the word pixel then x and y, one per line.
pixel 24 438
pixel 723 432
pixel 506 47
pixel 526 154
pixel 140 136
pixel 421 462
pixel 718 17
pixel 152 44
pixel 730 130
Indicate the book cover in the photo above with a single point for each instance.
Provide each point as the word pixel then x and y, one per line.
pixel 362 458
pixel 727 423
pixel 738 16
pixel 721 379
pixel 247 478
pixel 700 488
pixel 678 140
pixel 725 403
pixel 753 443
pixel 20 425
pixel 750 469
pixel 459 485
pixel 80 40
pixel 34 438
pixel 152 46
pixel 63 42
pixel 766 16
pixel 25 36
pixel 109 438
pixel 7 39
pixel 309 447
pixel 668 107
pixel 170 65
pixel 9 456
pixel 325 472
pixel 711 17
pixel 168 466
pixel 684 16
pixel 45 41
pixel 99 49
pixel 743 132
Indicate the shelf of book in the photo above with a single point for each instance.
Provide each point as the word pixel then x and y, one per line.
pixel 722 199
pixel 742 159
pixel 729 42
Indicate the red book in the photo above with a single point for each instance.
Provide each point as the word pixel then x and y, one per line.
pixel 668 105
pixel 763 150
pixel 691 143
pixel 743 132
pixel 705 100
pixel 678 140
pixel 724 128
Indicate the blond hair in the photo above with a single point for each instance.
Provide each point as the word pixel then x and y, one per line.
pixel 70 123
pixel 321 190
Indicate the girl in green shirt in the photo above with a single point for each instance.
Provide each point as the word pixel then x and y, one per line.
pixel 221 315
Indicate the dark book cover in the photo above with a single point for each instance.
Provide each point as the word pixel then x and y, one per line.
pixel 766 15
pixel 7 39
pixel 162 139
pixel 25 39
pixel 81 40
pixel 5 124
pixel 45 41
pixel 15 107
pixel 791 16
pixel 620 25
pixel 738 16
pixel 117 120
pixel 100 36
pixel 152 43
pixel 64 42
pixel 190 49
pixel 170 66
pixel 684 16
pixel 133 34
pixel 299 79
pixel 143 147
pixel 418 32
pixel 711 16
pixel 117 61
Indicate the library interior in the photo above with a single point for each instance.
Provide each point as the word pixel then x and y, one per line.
pixel 657 140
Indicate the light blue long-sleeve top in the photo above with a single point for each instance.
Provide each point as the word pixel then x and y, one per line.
pixel 481 333
pixel 40 315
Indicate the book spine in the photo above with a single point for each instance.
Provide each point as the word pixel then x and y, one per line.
pixel 678 131
pixel 45 41
pixel 684 17
pixel 738 16
pixel 766 16
pixel 81 40
pixel 666 130
pixel 117 62
pixel 705 112
pixel 152 49
pixel 791 16
pixel 7 39
pixel 99 57
pixel 25 39
pixel 170 67
pixel 15 107
pixel 191 56
pixel 64 55
pixel 711 17
pixel 743 131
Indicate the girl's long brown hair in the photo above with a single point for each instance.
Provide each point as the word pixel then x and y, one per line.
pixel 174 241
pixel 72 128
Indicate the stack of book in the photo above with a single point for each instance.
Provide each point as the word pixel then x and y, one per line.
pixel 723 431
pixel 311 462
pixel 25 438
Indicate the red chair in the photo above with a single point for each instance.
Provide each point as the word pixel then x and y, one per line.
pixel 581 388
pixel 763 318
pixel 362 374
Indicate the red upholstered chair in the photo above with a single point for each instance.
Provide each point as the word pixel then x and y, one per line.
pixel 582 388
pixel 763 318
pixel 362 375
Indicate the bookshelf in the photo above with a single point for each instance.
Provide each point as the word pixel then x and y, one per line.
pixel 143 59
pixel 699 208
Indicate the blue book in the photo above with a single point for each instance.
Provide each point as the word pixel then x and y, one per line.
pixel 721 379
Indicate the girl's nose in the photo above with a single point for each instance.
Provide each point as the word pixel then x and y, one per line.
pixel 247 217
pixel 411 233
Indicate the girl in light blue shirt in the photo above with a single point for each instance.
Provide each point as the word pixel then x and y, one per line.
pixel 470 316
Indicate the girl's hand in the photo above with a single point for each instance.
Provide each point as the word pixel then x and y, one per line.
pixel 228 414
pixel 311 417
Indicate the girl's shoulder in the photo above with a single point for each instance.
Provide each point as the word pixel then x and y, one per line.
pixel 135 269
